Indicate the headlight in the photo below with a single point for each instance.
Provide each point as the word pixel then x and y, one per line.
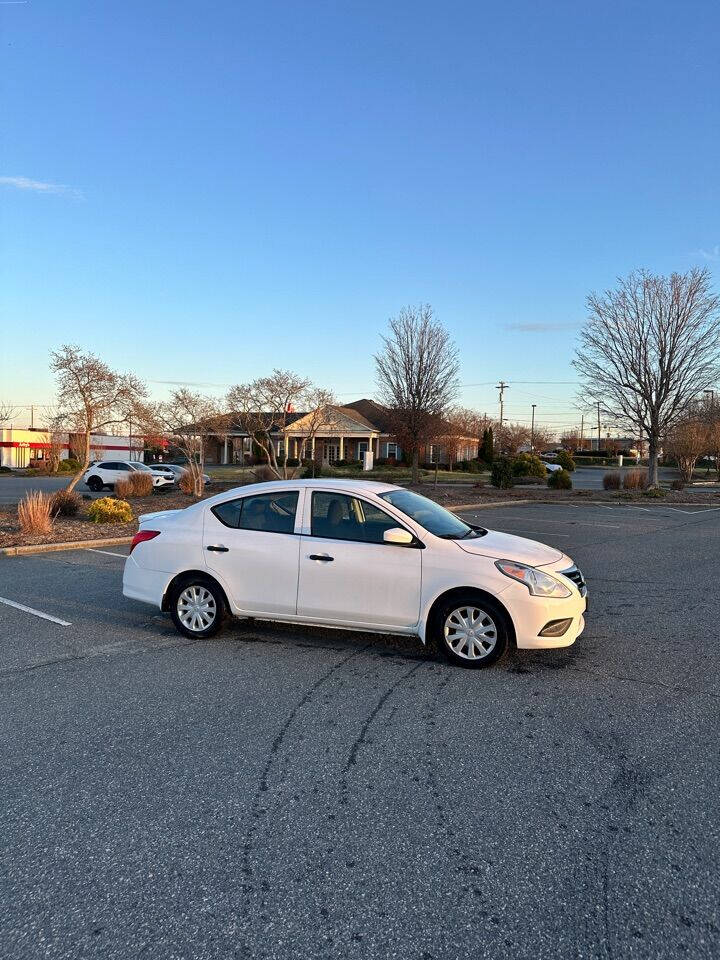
pixel 538 583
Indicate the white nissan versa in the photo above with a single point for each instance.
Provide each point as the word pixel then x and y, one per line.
pixel 356 555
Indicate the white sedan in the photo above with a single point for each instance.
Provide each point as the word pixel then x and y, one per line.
pixel 355 555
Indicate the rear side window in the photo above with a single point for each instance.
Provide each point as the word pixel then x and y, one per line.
pixel 268 512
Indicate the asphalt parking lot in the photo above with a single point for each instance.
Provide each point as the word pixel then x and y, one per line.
pixel 288 792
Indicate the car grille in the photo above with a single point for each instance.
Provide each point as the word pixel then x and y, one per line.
pixel 574 574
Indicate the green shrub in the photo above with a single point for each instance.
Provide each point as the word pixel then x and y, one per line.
pixel 528 465
pixel 565 460
pixel 71 465
pixel 293 462
pixel 501 474
pixel 611 481
pixel 65 503
pixel 560 480
pixel 110 510
pixel 655 493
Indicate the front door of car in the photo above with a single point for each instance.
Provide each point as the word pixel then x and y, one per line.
pixel 348 574
pixel 251 545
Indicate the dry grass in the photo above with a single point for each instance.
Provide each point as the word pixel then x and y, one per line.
pixel 611 481
pixel 35 514
pixel 65 503
pixel 635 480
pixel 136 485
pixel 186 483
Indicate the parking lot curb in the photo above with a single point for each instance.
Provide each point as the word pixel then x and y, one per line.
pixel 72 545
pixel 649 504
pixel 485 506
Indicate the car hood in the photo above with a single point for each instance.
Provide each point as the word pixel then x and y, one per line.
pixel 505 546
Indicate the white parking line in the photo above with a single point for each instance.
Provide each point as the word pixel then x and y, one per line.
pixel 584 523
pixel 542 533
pixel 107 553
pixel 35 613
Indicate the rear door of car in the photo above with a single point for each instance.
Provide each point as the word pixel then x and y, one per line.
pixel 252 544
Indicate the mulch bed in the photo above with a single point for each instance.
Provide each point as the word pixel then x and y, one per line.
pixel 70 529
pixel 450 497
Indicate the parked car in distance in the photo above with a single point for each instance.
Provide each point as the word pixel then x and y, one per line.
pixel 177 470
pixel 551 467
pixel 355 555
pixel 106 473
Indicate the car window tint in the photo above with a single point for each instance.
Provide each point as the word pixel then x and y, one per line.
pixel 338 516
pixel 268 512
pixel 272 512
pixel 228 512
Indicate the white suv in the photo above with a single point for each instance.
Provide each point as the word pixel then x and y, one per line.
pixel 106 473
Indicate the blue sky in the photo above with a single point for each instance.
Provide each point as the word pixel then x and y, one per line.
pixel 200 191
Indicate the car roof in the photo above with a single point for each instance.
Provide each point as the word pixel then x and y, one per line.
pixel 318 483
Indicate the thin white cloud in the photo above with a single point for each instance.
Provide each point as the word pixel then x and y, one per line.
pixel 37 186
pixel 713 255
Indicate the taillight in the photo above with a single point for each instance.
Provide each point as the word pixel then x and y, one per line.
pixel 142 535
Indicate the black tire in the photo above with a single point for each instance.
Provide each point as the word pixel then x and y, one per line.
pixel 182 592
pixel 492 629
pixel 95 484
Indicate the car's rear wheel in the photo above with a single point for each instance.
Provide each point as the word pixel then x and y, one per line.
pixel 471 631
pixel 197 607
pixel 95 484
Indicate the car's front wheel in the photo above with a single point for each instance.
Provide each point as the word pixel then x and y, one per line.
pixel 471 631
pixel 197 607
pixel 95 484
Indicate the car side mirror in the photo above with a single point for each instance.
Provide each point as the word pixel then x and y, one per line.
pixel 398 536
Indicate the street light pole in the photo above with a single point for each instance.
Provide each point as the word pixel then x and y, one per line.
pixel 532 430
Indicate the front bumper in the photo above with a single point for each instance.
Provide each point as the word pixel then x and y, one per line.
pixel 532 614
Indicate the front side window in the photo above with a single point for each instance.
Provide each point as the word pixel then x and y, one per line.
pixel 338 516
pixel 431 515
pixel 269 512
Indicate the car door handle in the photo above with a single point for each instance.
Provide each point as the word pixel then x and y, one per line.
pixel 320 556
pixel 215 549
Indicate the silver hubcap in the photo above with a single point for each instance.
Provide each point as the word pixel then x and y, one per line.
pixel 470 633
pixel 196 608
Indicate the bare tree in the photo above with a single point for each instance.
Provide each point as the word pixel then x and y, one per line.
pixel 461 425
pixel 265 407
pixel 322 415
pixel 570 439
pixel 651 346
pixel 184 420
pixel 687 441
pixel 7 412
pixel 511 436
pixel 417 375
pixel 90 396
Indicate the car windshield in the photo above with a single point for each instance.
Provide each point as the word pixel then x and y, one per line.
pixel 139 466
pixel 432 516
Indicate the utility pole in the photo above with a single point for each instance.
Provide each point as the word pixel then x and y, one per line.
pixel 32 417
pixel 582 429
pixel 532 430
pixel 502 387
pixel 598 427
